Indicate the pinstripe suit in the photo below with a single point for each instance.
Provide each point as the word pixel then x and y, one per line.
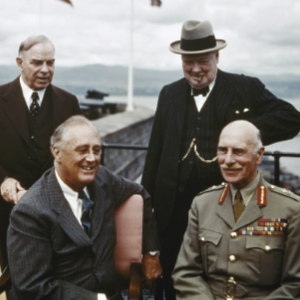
pixel 50 255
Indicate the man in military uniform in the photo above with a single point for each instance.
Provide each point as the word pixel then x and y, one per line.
pixel 242 240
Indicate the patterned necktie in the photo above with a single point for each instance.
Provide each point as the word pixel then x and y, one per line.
pixel 202 92
pixel 86 217
pixel 238 206
pixel 34 106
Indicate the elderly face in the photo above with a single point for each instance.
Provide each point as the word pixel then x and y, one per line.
pixel 37 65
pixel 201 68
pixel 238 155
pixel 77 159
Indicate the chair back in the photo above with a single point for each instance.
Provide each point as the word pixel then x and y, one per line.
pixel 129 228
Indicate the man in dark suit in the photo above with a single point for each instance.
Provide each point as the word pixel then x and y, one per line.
pixel 191 113
pixel 30 109
pixel 62 234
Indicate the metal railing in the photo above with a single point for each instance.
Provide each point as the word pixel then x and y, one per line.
pixel 276 154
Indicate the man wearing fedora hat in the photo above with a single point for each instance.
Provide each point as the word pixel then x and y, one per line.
pixel 191 112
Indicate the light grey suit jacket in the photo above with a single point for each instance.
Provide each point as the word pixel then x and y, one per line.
pixel 264 266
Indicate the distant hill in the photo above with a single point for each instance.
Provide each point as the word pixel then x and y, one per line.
pixel 113 80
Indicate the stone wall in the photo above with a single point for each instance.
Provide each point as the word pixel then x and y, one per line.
pixel 131 128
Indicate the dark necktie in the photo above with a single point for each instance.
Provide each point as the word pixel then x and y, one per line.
pixel 86 217
pixel 202 92
pixel 238 206
pixel 34 106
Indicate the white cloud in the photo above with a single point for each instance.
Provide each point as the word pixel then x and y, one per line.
pixel 262 36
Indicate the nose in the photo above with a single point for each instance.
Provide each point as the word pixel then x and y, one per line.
pixel 229 158
pixel 45 68
pixel 196 68
pixel 91 156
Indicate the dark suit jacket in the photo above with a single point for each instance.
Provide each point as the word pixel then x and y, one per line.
pixel 50 255
pixel 16 147
pixel 277 120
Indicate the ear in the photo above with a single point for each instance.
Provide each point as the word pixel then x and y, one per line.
pixel 260 154
pixel 19 61
pixel 56 152
pixel 217 56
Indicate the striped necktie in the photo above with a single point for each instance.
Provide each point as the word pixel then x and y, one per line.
pixel 86 217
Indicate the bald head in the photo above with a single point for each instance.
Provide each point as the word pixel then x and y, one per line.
pixel 240 151
pixel 243 130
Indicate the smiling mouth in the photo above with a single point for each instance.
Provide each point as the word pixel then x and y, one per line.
pixel 87 168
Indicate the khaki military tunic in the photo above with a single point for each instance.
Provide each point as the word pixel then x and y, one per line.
pixel 257 257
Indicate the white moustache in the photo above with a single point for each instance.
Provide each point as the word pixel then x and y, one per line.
pixel 236 166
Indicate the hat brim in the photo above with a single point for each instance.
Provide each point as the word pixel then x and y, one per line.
pixel 175 48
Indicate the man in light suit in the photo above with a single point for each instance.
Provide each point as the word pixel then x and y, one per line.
pixel 242 239
pixel 30 109
pixel 191 112
pixel 62 234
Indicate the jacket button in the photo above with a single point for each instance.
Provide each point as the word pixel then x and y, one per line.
pixel 232 258
pixel 202 238
pixel 233 235
pixel 267 247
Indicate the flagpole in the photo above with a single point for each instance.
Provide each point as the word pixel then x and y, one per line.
pixel 130 65
pixel 41 16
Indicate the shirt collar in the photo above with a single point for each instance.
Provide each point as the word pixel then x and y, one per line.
pixel 65 188
pixel 247 191
pixel 27 92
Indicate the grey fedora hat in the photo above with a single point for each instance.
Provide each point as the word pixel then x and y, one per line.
pixel 197 38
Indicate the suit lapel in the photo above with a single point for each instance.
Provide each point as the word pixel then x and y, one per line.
pixel 66 218
pixel 98 194
pixel 250 214
pixel 225 211
pixel 252 211
pixel 14 105
pixel 178 105
pixel 59 109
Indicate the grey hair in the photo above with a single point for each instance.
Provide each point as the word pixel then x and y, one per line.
pixel 31 41
pixel 57 138
pixel 258 143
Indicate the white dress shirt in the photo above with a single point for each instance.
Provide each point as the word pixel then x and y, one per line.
pixel 27 92
pixel 200 99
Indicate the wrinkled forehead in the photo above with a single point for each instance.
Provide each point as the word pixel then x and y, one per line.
pixel 81 134
pixel 236 140
pixel 40 49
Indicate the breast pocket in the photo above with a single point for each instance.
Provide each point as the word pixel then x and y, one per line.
pixel 264 257
pixel 209 241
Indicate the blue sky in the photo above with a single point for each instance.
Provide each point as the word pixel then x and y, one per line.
pixel 262 35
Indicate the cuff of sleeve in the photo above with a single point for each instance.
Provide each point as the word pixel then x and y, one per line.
pixel 101 297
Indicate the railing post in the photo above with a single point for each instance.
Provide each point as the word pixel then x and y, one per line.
pixel 276 168
pixel 102 155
